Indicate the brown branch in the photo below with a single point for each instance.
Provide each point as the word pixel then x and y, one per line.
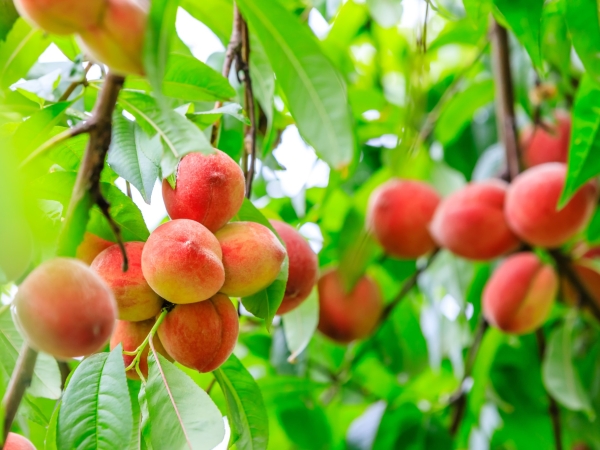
pixel 18 384
pixel 211 385
pixel 74 84
pixel 505 108
pixel 250 130
pixel 553 409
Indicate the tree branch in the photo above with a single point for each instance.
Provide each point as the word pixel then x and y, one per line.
pixel 74 84
pixel 250 130
pixel 18 384
pixel 505 110
pixel 553 410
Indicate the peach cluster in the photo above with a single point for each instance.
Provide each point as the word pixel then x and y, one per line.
pixel 110 31
pixel 486 220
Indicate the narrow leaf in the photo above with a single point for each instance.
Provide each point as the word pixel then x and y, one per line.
pixel 584 26
pixel 300 324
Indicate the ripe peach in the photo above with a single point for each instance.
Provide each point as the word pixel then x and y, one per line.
pixel 15 441
pixel 520 294
pixel 344 316
pixel 64 308
pixel 201 335
pixel 210 190
pixel 90 247
pixel 252 257
pixel 541 146
pixel 589 276
pixel 181 261
pixel 118 40
pixel 303 268
pixel 131 335
pixel 16 244
pixel 62 16
pixel 470 223
pixel 532 201
pixel 135 298
pixel 398 216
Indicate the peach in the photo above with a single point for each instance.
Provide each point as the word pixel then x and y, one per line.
pixel 65 309
pixel 15 441
pixel 135 298
pixel 118 40
pixel 398 215
pixel 131 335
pixel 470 223
pixel 346 316
pixel 532 202
pixel 303 268
pixel 16 244
pixel 201 335
pixel 543 146
pixel 62 16
pixel 252 257
pixel 519 296
pixel 181 262
pixel 90 247
pixel 210 190
pixel 588 274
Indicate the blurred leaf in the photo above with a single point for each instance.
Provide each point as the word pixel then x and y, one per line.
pixel 477 9
pixel 245 406
pixel 584 26
pixel 215 14
pixel 96 410
pixel 127 158
pixel 315 92
pixel 585 139
pixel 525 20
pixel 306 425
pixel 300 324
pixel 556 40
pixel 8 16
pixel 386 13
pixel 559 373
pixel 181 415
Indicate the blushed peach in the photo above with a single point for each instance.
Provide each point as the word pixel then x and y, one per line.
pixel 65 309
pixel 15 441
pixel 62 16
pixel 519 296
pixel 543 146
pixel 303 267
pixel 252 257
pixel 201 335
pixel 346 316
pixel 135 298
pixel 181 261
pixel 398 215
pixel 131 335
pixel 470 223
pixel 210 190
pixel 586 270
pixel 532 202
pixel 90 247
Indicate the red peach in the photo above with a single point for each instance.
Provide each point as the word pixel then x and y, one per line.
pixel 181 261
pixel 210 190
pixel 90 247
pixel 131 335
pixel 470 223
pixel 252 257
pixel 398 215
pixel 65 309
pixel 519 296
pixel 543 146
pixel 62 16
pixel 303 267
pixel 588 274
pixel 201 335
pixel 532 202
pixel 15 441
pixel 135 298
pixel 344 316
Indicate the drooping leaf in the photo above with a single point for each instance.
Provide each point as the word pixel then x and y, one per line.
pixel 246 410
pixel 96 408
pixel 315 92
pixel 300 324
pixel 181 415
pixel 249 213
pixel 584 26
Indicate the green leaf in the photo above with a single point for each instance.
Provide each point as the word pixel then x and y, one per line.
pixel 46 376
pixel 249 213
pixel 263 84
pixel 96 409
pixel 477 9
pixel 559 373
pixel 20 51
pixel 525 20
pixel 246 410
pixel 134 392
pixel 8 17
pixel 127 158
pixel 204 119
pixel 300 324
pixel 585 139
pixel 584 26
pixel 315 92
pixel 215 14
pixel 160 29
pixel 181 415
pixel 51 437
pixel 178 135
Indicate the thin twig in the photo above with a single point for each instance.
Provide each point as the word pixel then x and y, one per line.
pixel 250 130
pixel 128 189
pixel 74 84
pixel 211 385
pixel 505 108
pixel 553 409
pixel 18 384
